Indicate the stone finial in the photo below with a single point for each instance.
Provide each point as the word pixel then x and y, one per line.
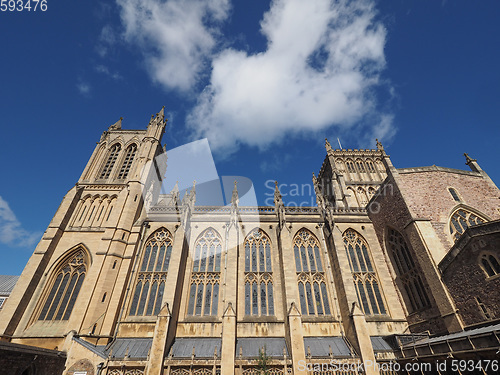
pixel 379 145
pixel 293 311
pixel 468 159
pixel 355 310
pixel 229 311
pixel 235 198
pixel 117 125
pixel 327 145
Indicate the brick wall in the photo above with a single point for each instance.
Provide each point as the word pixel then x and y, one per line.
pixel 466 280
pixel 16 358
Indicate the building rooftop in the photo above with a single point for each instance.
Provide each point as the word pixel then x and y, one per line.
pixel 7 283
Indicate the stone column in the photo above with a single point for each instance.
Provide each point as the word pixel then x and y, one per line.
pixel 364 341
pixel 228 340
pixel 297 340
pixel 157 352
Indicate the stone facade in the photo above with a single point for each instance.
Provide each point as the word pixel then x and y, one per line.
pixel 124 283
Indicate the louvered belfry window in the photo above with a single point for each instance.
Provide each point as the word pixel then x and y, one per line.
pixel 110 162
pixel 127 162
pixel 150 285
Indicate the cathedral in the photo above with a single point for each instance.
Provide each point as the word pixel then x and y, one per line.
pixel 392 271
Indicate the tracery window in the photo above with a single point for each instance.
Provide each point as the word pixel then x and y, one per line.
pixel 65 288
pixel 110 163
pixel 259 294
pixel 205 278
pixel 127 162
pixel 490 264
pixel 365 278
pixel 310 274
pixel 152 275
pixel 461 220
pixel 408 273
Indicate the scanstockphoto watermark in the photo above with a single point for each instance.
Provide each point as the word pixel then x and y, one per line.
pixel 454 365
pixel 303 195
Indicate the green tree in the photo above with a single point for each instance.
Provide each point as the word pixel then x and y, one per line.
pixel 263 361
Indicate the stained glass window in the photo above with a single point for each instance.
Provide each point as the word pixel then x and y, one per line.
pixel 310 276
pixel 490 264
pixel 150 285
pixel 365 278
pixel 461 220
pixel 408 273
pixel 204 290
pixel 64 291
pixel 258 274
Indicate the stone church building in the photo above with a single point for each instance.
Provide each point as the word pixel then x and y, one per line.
pixel 393 266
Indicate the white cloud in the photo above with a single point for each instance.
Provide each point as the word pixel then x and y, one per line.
pixel 83 88
pixel 107 39
pixel 175 36
pixel 11 232
pixel 105 70
pixel 322 62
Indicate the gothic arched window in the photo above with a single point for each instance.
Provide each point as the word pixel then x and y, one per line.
pixel 461 220
pixel 205 278
pixel 490 264
pixel 110 163
pixel 310 274
pixel 150 285
pixel 127 162
pixel 259 294
pixel 65 288
pixel 365 279
pixel 408 273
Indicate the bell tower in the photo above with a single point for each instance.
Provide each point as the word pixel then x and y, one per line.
pixel 349 178
pixel 97 223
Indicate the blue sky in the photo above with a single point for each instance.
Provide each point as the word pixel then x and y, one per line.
pixel 264 81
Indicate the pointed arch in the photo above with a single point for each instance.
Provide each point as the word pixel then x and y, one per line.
pixel 64 285
pixel 128 159
pixel 408 279
pixel 153 268
pixel 351 168
pixel 370 166
pixel 463 217
pixel 258 273
pixel 111 160
pixel 340 165
pixel 360 165
pixel 96 161
pixel 311 277
pixel 205 276
pixel 365 278
pixel 489 263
